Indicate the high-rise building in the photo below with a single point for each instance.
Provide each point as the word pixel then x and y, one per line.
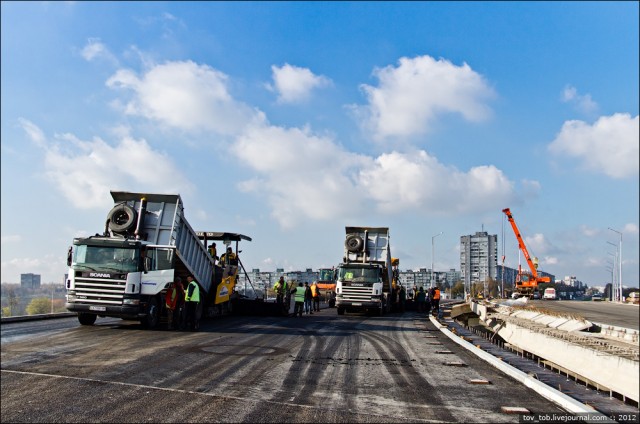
pixel 478 258
pixel 30 281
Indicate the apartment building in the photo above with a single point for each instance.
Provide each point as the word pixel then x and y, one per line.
pixel 478 258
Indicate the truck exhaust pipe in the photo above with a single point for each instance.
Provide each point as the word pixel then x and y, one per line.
pixel 141 212
pixel 364 246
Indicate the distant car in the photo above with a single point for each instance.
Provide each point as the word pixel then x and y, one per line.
pixel 536 295
pixel 633 297
pixel 596 297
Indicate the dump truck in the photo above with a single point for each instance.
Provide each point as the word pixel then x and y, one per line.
pixel 125 271
pixel 364 279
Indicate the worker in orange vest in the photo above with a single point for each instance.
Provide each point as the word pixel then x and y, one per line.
pixel 173 301
pixel 315 294
pixel 435 301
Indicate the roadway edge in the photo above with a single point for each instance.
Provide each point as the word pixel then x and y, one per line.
pixel 557 397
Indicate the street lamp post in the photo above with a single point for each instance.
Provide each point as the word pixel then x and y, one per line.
pixel 619 263
pixel 432 247
pixel 614 281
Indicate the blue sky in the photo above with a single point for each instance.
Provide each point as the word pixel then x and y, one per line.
pixel 288 121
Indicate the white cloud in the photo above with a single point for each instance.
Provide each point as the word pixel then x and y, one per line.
pixel 630 229
pixel 537 244
pixel 583 102
pixel 33 131
pixel 85 170
pixel 305 176
pixel 589 232
pixel 609 146
pixel 50 267
pixel 294 84
pixel 411 95
pixel 184 95
pixel 95 49
pixel 11 238
pixel 300 172
pixel 418 181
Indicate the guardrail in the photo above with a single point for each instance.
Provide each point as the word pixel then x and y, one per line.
pixel 21 318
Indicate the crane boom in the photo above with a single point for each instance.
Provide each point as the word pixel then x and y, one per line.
pixel 524 284
pixel 523 247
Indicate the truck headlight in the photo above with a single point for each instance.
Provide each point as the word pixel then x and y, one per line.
pixel 71 298
pixel 131 301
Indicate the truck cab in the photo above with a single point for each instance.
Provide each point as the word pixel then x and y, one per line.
pixel 364 278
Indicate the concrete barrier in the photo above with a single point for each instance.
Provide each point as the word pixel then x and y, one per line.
pixel 559 398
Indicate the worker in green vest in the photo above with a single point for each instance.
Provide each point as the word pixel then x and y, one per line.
pixel 191 301
pixel 298 296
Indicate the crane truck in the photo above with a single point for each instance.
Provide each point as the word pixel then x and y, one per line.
pixel 147 242
pixel 364 279
pixel 526 282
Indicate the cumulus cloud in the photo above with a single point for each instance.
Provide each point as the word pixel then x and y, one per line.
pixel 630 229
pixel 85 170
pixel 11 238
pixel 186 96
pixel 96 50
pixel 294 84
pixel 537 244
pixel 411 95
pixel 582 102
pixel 299 171
pixel 399 181
pixel 609 146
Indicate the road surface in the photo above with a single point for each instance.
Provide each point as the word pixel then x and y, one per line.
pixel 315 368
pixel 617 314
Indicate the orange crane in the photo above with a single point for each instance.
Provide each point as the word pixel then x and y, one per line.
pixel 526 283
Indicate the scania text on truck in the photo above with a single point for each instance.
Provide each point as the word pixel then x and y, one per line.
pixel 364 278
pixel 125 271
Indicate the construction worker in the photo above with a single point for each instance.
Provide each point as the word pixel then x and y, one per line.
pixel 435 301
pixel 229 261
pixel 191 301
pixel 280 287
pixel 213 252
pixel 298 295
pixel 173 301
pixel 315 294
pixel 308 299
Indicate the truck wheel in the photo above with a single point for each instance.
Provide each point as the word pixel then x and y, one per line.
pixel 354 243
pixel 122 218
pixel 86 319
pixel 150 321
pixel 340 311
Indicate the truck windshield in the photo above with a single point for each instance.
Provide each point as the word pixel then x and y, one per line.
pixel 98 258
pixel 360 275
pixel 325 275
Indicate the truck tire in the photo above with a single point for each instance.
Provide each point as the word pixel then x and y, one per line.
pixel 150 321
pixel 87 319
pixel 354 243
pixel 122 218
pixel 340 311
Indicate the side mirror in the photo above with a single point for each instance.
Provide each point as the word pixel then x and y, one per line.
pixel 146 264
pixel 69 255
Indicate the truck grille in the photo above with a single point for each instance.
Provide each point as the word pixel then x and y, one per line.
pixel 356 294
pixel 100 290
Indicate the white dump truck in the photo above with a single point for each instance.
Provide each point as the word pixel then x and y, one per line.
pixel 147 243
pixel 364 279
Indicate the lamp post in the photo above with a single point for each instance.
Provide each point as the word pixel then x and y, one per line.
pixel 432 247
pixel 614 281
pixel 619 263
